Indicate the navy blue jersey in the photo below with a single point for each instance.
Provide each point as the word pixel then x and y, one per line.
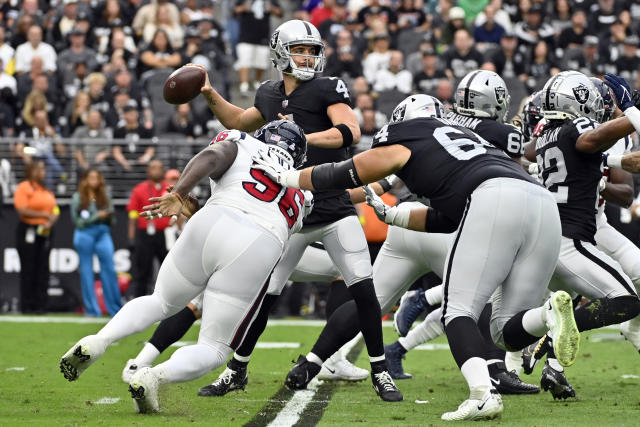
pixel 504 136
pixel 447 161
pixel 572 176
pixel 307 107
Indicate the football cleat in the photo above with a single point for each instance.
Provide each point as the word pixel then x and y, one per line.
pixel 394 356
pixel 558 316
pixel 535 352
pixel 488 408
pixel 144 391
pixel 385 387
pixel 412 304
pixel 229 380
pixel 82 355
pixel 631 331
pixel 508 382
pixel 556 382
pixel 131 368
pixel 301 374
pixel 337 368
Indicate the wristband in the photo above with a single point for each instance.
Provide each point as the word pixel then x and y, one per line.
pixel 401 217
pixel 614 161
pixel 291 179
pixel 347 136
pixel 633 114
pixel 385 184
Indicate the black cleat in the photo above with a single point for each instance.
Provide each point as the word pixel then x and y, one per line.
pixel 394 354
pixel 385 387
pixel 536 351
pixel 508 382
pixel 228 380
pixel 556 382
pixel 301 374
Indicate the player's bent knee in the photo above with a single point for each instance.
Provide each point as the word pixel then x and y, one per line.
pixel 496 327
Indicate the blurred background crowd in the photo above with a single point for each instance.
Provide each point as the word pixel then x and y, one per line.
pixel 81 81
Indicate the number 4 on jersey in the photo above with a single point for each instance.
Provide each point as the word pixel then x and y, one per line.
pixel 341 87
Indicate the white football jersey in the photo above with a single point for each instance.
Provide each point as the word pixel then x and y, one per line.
pixel 623 146
pixel 278 209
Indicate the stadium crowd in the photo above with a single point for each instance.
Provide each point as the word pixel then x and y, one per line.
pixel 95 69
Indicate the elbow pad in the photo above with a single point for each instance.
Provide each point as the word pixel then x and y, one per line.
pixel 335 176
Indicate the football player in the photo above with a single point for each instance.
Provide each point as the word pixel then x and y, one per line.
pixel 569 157
pixel 507 237
pixel 228 249
pixel 321 106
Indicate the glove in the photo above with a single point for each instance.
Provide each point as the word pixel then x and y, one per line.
pixel 307 206
pixel 533 169
pixel 272 168
pixel 385 213
pixel 635 98
pixel 621 90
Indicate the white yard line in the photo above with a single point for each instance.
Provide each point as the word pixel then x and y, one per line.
pixel 263 345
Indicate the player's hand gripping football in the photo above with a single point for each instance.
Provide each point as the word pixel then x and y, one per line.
pixel 207 90
pixel 384 212
pixel 621 90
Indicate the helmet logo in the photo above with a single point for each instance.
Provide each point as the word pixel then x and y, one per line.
pixel 398 113
pixel 274 39
pixel 581 92
pixel 501 94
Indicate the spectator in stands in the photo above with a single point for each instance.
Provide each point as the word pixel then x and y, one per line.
pixel 34 46
pixel 375 11
pixel 6 80
pixel 410 15
pixel 602 15
pixel 534 29
pixel 255 31
pixel 462 57
pixel 119 52
pixel 19 36
pixel 334 24
pixel 131 154
pixel 628 64
pixel 344 61
pixel 369 128
pixel 359 86
pixel 562 17
pixel 110 16
pixel 444 92
pixel 33 102
pixel 543 65
pixel 613 42
pixel 211 33
pixel 508 61
pixel 184 123
pixel 116 112
pixel 157 55
pixel 395 77
pixel 456 22
pixel 146 237
pixel 426 81
pixel 92 214
pixel 7 113
pixel 573 36
pixel 63 25
pixel 148 13
pixel 77 52
pixel 38 212
pixel 75 81
pixel 378 58
pixel 490 32
pixel 321 13
pixel 42 137
pixel 364 101
pixel 167 22
pixel 77 113
pixel 124 81
pixel 32 8
pixel 94 155
pixel 501 16
pixel 96 83
pixel 6 51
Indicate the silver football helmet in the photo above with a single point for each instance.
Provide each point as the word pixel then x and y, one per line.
pixel 293 33
pixel 571 94
pixel 482 93
pixel 418 105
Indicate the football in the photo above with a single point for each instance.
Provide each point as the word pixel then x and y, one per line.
pixel 183 84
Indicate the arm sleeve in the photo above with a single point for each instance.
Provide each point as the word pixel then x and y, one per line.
pixel 437 222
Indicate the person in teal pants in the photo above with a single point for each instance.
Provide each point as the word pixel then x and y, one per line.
pixel 92 214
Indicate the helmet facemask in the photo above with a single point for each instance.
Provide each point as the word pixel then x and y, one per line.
pixel 297 33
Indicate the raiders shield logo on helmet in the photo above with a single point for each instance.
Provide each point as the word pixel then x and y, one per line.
pixel 581 92
pixel 274 39
pixel 501 94
pixel 398 113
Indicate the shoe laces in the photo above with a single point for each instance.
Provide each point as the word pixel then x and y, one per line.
pixel 225 377
pixel 385 381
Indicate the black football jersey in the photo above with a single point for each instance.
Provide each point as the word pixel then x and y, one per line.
pixel 447 161
pixel 505 137
pixel 307 106
pixel 571 176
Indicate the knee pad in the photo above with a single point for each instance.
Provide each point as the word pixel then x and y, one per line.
pixel 496 328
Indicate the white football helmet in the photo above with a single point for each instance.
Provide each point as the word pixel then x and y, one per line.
pixel 293 33
pixel 418 105
pixel 482 93
pixel 571 94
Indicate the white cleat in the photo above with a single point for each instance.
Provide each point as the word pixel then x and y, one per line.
pixel 488 408
pixel 81 356
pixel 558 315
pixel 144 391
pixel 338 368
pixel 131 368
pixel 631 331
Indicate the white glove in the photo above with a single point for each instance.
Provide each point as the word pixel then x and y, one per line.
pixel 385 213
pixel 307 206
pixel 272 167
pixel 602 185
pixel 533 169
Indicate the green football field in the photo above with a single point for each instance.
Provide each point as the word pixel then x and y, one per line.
pixel 33 391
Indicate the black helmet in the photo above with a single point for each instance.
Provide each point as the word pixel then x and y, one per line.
pixel 531 114
pixel 605 92
pixel 287 136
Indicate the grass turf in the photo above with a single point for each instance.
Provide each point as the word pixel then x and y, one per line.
pixel 40 395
